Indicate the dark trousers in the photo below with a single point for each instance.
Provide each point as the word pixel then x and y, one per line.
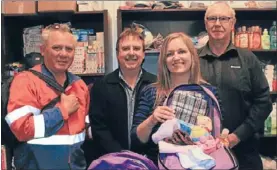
pixel 247 154
pixel 91 151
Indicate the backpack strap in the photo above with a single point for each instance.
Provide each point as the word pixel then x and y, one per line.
pixel 52 83
pixel 211 94
pixel 52 103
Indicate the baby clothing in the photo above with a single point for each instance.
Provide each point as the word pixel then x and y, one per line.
pixel 208 144
pixel 190 156
pixel 165 147
pixel 196 159
pixel 165 130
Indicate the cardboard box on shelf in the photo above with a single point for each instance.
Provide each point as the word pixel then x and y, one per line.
pixel 241 4
pixel 90 5
pixel 77 66
pixel 198 4
pixel 18 7
pixel 100 40
pixel 48 6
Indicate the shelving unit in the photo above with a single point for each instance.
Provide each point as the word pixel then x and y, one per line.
pixel 191 21
pixel 172 20
pixel 13 25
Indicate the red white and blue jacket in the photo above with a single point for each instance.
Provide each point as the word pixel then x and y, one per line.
pixel 52 139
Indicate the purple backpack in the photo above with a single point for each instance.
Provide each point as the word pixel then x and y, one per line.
pixel 122 160
pixel 224 158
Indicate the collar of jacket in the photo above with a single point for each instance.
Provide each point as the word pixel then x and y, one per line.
pixel 114 77
pixel 204 51
pixel 44 70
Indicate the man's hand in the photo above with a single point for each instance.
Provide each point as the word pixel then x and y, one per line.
pixel 233 140
pixel 70 102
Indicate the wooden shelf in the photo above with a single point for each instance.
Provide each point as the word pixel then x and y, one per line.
pixel 18 15
pixel 268 135
pixel 91 12
pixel 262 51
pixel 57 11
pixel 271 50
pixel 90 74
pixel 193 9
pixel 273 92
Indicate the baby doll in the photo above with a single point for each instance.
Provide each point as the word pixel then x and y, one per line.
pixel 204 122
pixel 203 127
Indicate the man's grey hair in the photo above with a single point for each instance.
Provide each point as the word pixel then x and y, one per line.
pixel 231 10
pixel 54 27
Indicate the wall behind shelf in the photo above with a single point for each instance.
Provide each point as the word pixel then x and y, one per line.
pixel 112 7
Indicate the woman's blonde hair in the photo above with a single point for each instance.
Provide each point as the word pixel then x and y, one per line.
pixel 163 83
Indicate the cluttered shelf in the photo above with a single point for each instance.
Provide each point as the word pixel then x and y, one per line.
pixel 92 23
pixel 193 14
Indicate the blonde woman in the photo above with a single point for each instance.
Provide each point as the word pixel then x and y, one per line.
pixel 178 64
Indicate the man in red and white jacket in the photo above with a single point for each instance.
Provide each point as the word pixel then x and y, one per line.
pixel 51 138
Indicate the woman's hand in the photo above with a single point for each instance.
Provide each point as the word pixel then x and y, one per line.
pixel 162 113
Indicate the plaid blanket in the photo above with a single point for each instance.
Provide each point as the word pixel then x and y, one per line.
pixel 188 105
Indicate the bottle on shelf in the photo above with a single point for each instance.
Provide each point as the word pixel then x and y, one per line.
pixel 274 82
pixel 273 120
pixel 250 38
pixel 256 38
pixel 237 37
pixel 267 129
pixel 273 36
pixel 233 35
pixel 244 38
pixel 265 40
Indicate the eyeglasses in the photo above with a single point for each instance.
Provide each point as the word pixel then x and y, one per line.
pixel 223 19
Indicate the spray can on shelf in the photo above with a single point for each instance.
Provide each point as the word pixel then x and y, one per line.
pixel 267 129
pixel 273 36
pixel 274 81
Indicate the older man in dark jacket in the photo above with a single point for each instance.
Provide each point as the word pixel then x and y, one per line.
pixel 242 85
